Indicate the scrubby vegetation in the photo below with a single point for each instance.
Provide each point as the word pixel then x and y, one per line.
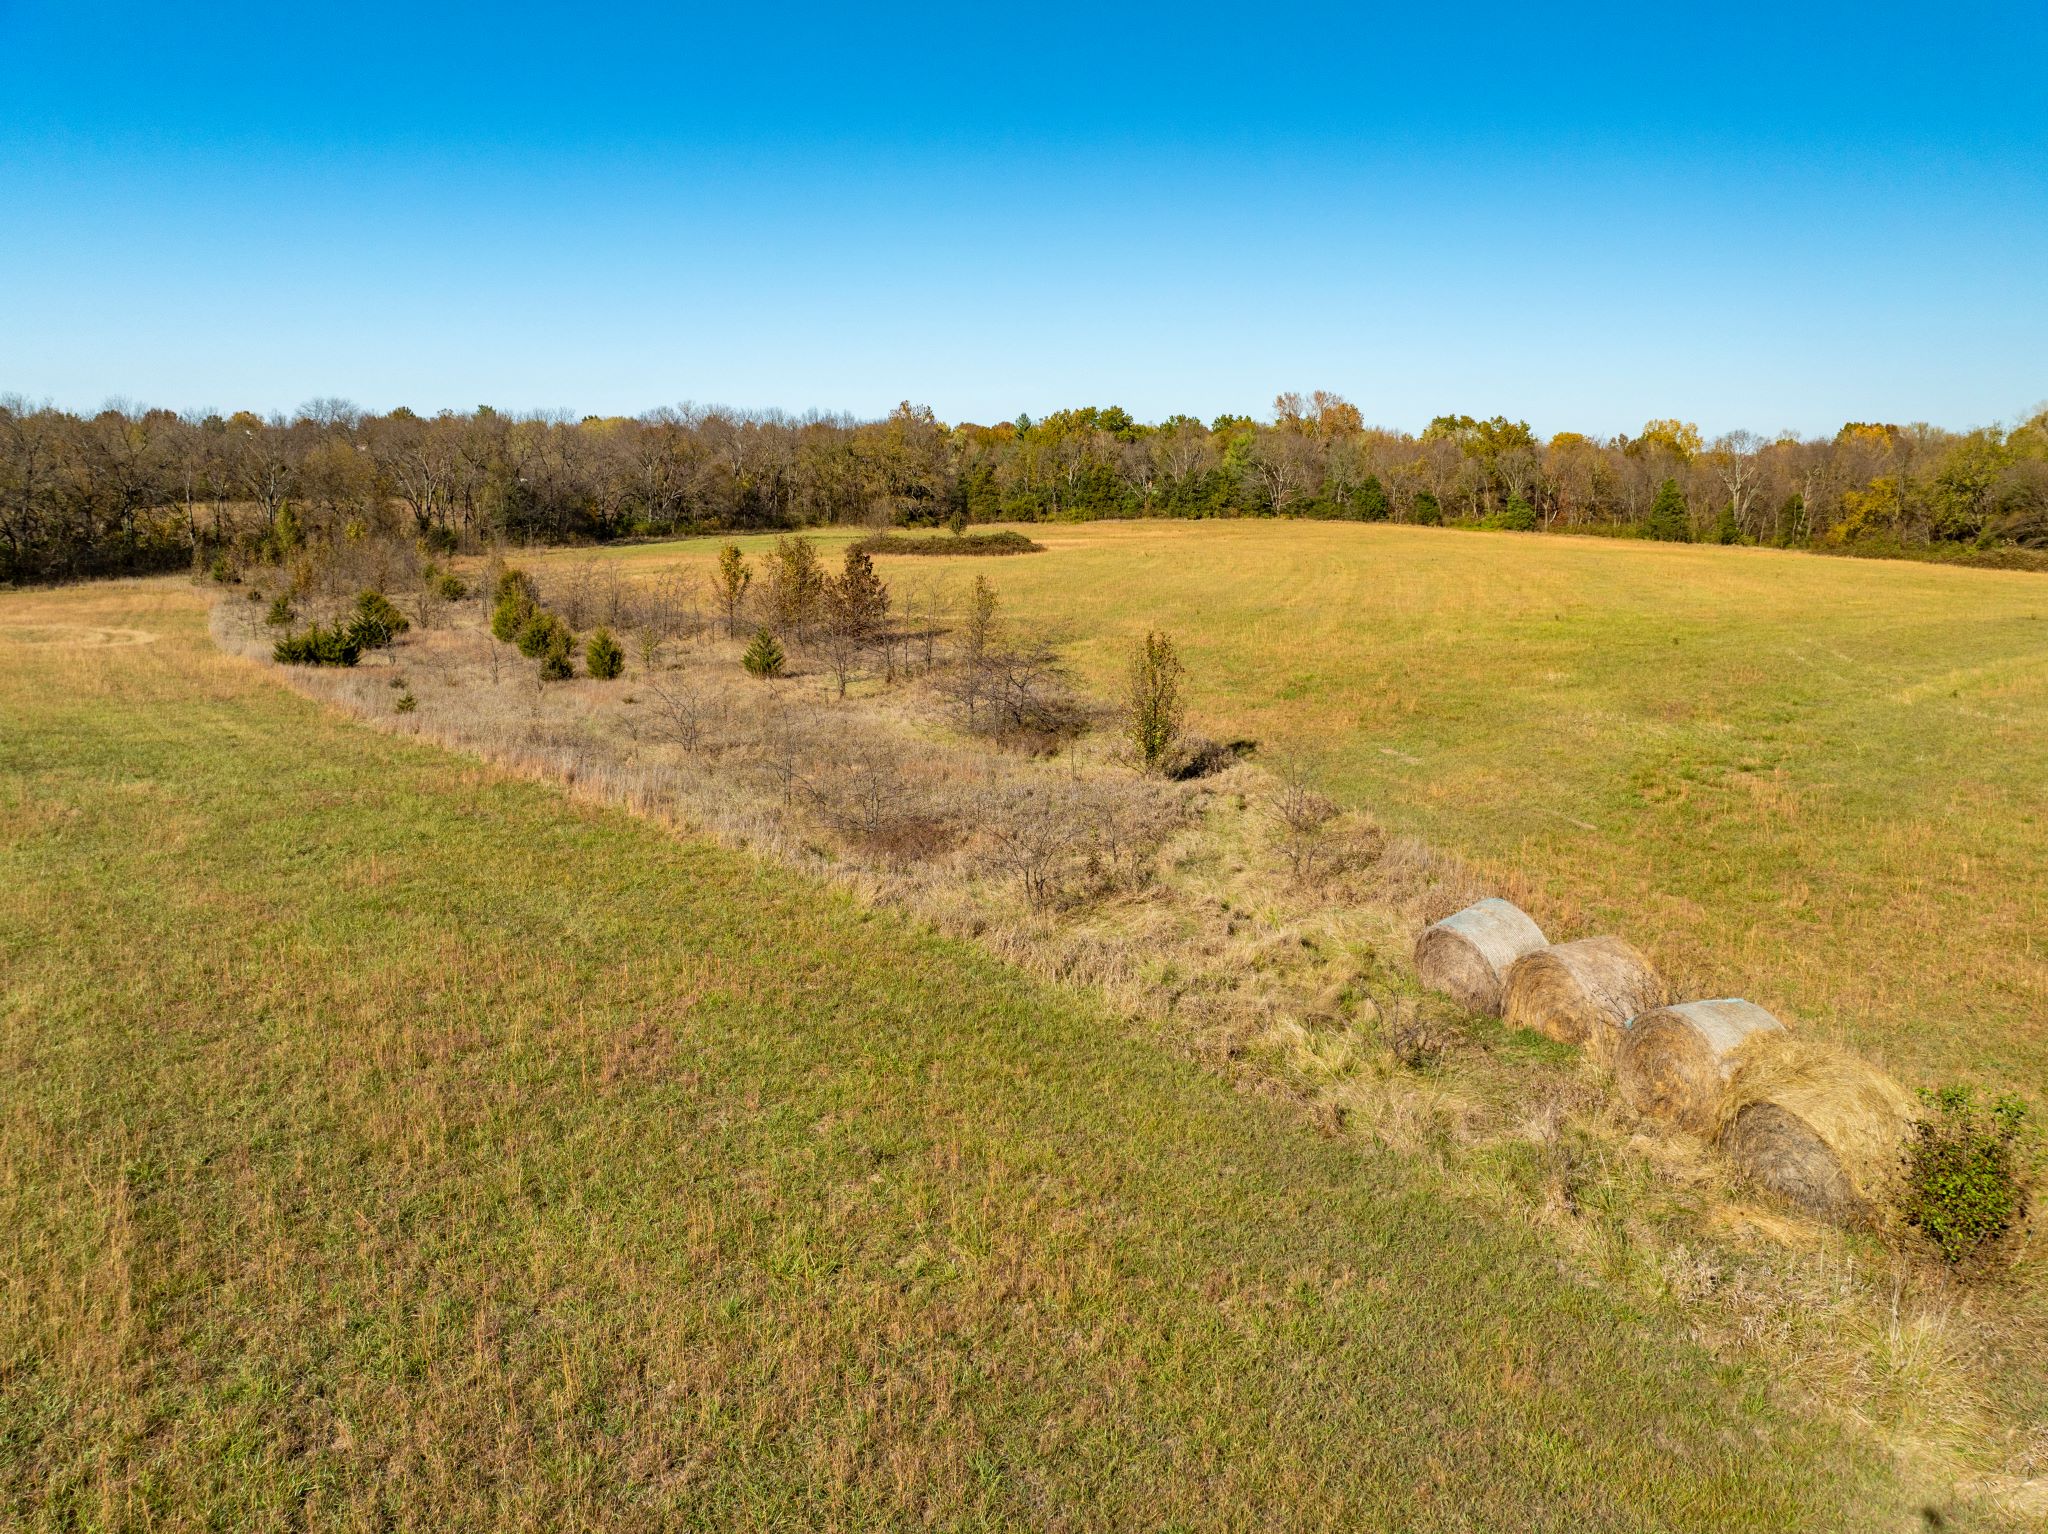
pixel 1002 541
pixel 1152 700
pixel 1964 1185
pixel 337 645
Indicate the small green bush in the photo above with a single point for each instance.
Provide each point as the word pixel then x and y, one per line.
pixel 541 632
pixel 439 540
pixel 554 660
pixel 376 622
pixel 280 615
pixel 509 617
pixel 450 587
pixel 602 657
pixel 1518 516
pixel 764 657
pixel 335 646
pixel 406 702
pixel 223 570
pixel 517 584
pixel 1963 1184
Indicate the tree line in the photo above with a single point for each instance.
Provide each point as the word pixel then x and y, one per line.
pixel 129 490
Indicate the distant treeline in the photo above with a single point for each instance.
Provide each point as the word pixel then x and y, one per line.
pixel 131 490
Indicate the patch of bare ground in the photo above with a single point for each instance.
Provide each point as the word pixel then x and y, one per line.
pixel 1239 917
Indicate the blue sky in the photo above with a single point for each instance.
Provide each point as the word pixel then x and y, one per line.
pixel 1784 218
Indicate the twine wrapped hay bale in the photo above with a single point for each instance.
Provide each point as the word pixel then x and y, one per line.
pixel 1820 1128
pixel 1467 955
pixel 1582 993
pixel 1673 1063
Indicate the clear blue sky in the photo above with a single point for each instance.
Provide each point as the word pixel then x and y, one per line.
pixel 1583 216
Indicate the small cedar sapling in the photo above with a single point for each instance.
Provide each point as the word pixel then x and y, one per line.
pixel 764 657
pixel 603 657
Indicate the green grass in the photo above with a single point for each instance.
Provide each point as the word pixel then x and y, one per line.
pixel 386 1143
pixel 1817 782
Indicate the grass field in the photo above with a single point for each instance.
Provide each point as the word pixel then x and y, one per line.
pixel 1816 782
pixel 388 1143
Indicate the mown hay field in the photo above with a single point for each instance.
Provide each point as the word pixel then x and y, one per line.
pixel 1821 783
pixel 389 1142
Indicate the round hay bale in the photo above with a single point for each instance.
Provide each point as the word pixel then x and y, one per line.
pixel 1817 1126
pixel 1582 993
pixel 1673 1063
pixel 1466 955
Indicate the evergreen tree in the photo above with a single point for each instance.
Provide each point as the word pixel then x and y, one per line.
pixel 554 660
pixel 795 583
pixel 764 656
pixel 858 600
pixel 1668 519
pixel 1373 505
pixel 602 656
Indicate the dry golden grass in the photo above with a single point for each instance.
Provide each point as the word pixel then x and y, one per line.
pixel 1813 782
pixel 390 1142
pixel 1297 987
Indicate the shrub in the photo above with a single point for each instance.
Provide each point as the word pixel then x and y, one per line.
pixel 222 570
pixel 450 587
pixel 509 617
pixel 554 661
pixel 1963 1184
pixel 280 615
pixel 439 540
pixel 516 584
pixel 1003 541
pixel 1152 700
pixel 764 656
pixel 376 622
pixel 335 646
pixel 1518 516
pixel 541 632
pixel 406 702
pixel 602 657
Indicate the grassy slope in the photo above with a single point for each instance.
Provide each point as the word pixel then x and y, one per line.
pixel 387 1142
pixel 1813 781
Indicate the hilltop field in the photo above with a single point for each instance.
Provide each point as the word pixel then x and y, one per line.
pixel 398 1135
pixel 1815 782
pixel 388 1142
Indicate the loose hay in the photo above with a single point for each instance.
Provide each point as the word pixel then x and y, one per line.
pixel 1819 1127
pixel 1466 955
pixel 1673 1063
pixel 1582 993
